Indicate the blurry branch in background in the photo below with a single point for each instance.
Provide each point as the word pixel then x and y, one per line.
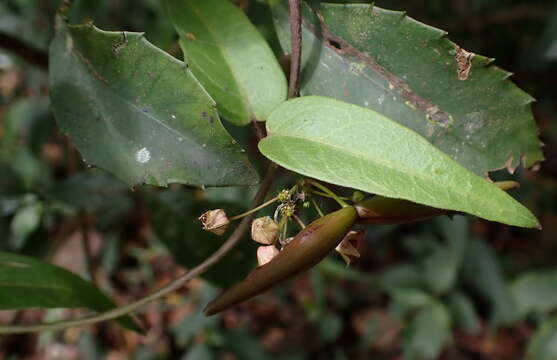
pixel 25 51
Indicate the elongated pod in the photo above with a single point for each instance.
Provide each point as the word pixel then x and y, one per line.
pixel 382 210
pixel 308 248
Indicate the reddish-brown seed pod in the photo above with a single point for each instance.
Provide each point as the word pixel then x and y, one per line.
pixel 308 248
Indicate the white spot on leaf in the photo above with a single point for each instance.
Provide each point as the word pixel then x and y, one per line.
pixel 143 155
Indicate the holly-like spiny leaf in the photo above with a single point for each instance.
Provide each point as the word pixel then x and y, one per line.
pixel 413 74
pixel 138 113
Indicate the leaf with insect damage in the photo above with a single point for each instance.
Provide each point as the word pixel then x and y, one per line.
pixel 413 74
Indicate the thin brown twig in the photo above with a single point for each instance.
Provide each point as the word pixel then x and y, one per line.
pixel 174 285
pixel 296 45
pixel 25 51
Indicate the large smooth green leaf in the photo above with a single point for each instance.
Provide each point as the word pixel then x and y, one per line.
pixel 26 283
pixel 230 58
pixel 137 112
pixel 535 292
pixel 407 71
pixel 359 148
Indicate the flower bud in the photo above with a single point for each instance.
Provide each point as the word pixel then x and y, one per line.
pixel 348 247
pixel 215 221
pixel 266 254
pixel 264 230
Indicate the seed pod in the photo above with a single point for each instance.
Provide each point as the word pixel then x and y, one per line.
pixel 308 248
pixel 382 210
pixel 215 221
pixel 264 230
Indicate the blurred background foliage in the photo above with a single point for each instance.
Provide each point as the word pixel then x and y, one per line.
pixel 456 288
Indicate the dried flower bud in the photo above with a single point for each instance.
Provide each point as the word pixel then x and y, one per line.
pixel 264 230
pixel 215 221
pixel 348 246
pixel 266 254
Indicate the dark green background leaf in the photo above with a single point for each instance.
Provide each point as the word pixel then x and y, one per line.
pixel 26 283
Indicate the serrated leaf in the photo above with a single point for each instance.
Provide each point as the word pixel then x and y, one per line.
pixel 230 58
pixel 356 147
pixel 411 73
pixel 535 292
pixel 138 113
pixel 27 283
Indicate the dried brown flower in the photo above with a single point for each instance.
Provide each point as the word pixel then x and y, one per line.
pixel 215 221
pixel 348 247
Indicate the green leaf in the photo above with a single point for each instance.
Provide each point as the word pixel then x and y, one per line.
pixel 230 58
pixel 174 216
pixel 407 71
pixel 481 272
pixel 463 313
pixel 27 219
pixel 138 113
pixel 427 334
pixel 359 148
pixel 440 269
pixel 535 292
pixel 27 283
pixel 543 344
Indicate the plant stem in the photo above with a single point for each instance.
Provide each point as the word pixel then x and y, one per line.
pixel 320 193
pixel 319 211
pixel 299 221
pixel 328 191
pixel 167 289
pixel 255 209
pixel 296 48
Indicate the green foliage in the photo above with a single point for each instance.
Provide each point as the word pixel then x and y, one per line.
pixel 407 71
pixel 355 147
pixel 143 115
pixel 246 81
pixel 393 118
pixel 29 283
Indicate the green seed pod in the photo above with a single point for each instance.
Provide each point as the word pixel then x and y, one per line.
pixel 382 210
pixel 308 248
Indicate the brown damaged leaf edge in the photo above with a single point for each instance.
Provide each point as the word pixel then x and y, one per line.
pixel 308 248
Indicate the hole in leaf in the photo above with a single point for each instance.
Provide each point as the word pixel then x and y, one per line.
pixel 335 44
